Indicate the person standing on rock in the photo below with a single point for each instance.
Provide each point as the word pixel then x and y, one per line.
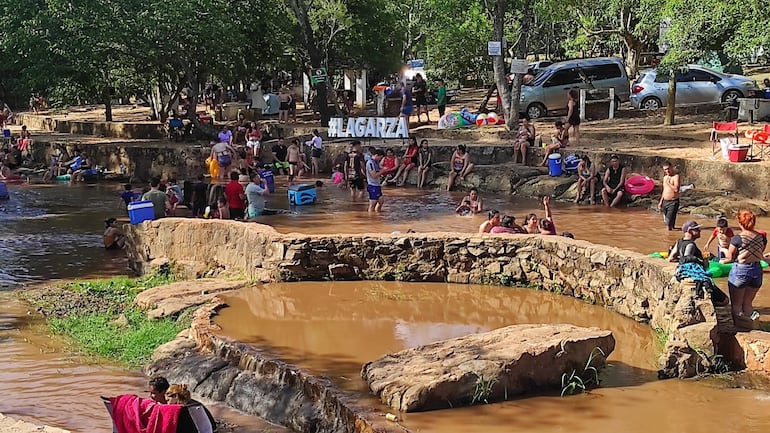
pixel 316 147
pixel 669 201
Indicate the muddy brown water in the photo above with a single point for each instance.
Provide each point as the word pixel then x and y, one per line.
pixel 52 232
pixel 332 329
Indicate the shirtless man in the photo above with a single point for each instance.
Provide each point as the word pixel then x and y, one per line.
pixel 669 201
pixel 493 221
pixel 294 158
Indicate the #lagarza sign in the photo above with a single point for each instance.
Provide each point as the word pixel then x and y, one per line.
pixel 377 127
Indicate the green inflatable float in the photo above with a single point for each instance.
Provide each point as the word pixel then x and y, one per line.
pixel 716 269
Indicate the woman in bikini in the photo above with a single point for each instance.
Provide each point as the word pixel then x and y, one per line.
pixel 524 139
pixel 461 166
pixel 475 203
pixel 573 114
pixel 586 176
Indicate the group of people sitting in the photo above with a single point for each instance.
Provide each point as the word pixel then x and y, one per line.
pixel 170 409
pixel 74 168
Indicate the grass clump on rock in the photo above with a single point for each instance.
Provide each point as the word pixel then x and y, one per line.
pixel 100 317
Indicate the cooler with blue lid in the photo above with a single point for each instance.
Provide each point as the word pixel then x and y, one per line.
pixel 139 211
pixel 301 194
pixel 571 162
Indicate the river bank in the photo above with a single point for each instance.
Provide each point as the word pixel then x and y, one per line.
pixel 11 425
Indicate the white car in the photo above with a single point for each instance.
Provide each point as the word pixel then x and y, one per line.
pixel 699 85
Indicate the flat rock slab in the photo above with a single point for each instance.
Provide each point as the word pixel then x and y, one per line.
pixel 11 425
pixel 171 299
pixel 491 366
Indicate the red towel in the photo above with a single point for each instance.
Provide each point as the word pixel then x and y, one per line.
pixel 132 414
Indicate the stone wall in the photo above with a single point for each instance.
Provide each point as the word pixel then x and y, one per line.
pixel 625 282
pixel 255 382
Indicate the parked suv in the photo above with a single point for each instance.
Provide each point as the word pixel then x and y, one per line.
pixel 699 85
pixel 548 90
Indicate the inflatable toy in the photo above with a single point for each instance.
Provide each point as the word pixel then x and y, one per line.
pixel 639 185
pixel 449 121
pixel 481 119
pixel 468 117
pixel 492 118
pixel 659 255
pixel 213 166
pixel 719 270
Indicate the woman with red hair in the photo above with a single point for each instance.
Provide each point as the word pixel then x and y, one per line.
pixel 746 251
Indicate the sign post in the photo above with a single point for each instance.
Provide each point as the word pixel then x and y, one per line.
pixel 519 66
pixel 318 75
pixel 495 48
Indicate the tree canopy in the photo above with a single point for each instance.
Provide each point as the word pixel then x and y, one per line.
pixel 76 51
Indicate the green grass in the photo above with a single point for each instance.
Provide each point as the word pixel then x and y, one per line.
pixel 99 317
pixel 661 338
pixel 130 345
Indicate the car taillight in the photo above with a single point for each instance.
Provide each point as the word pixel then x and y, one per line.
pixel 637 88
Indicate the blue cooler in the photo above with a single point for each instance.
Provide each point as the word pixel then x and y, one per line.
pixel 571 163
pixel 554 164
pixel 139 211
pixel 302 193
pixel 267 175
pixel 4 191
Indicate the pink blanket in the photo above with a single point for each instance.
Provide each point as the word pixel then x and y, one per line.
pixel 132 414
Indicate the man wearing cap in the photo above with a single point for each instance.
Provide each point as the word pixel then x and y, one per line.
pixel 685 250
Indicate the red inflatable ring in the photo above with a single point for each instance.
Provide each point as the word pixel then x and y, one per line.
pixel 760 137
pixel 750 133
pixel 639 185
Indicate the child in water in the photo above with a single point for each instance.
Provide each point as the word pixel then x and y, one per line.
pixel 464 208
pixel 723 234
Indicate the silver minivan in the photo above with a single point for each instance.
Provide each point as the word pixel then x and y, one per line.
pixel 548 90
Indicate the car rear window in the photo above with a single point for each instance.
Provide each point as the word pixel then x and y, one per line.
pixel 602 72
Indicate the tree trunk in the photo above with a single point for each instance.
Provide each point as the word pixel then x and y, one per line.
pixel 107 98
pixel 633 49
pixel 498 62
pixel 315 53
pixel 669 120
pixel 512 120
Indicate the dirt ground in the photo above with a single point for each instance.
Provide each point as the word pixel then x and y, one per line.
pixel 10 425
pixel 633 131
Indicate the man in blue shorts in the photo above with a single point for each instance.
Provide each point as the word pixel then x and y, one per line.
pixel 373 181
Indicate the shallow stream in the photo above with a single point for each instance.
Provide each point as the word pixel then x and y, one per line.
pixel 51 232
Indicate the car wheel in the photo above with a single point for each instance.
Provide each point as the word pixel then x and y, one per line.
pixel 651 103
pixel 731 95
pixel 536 110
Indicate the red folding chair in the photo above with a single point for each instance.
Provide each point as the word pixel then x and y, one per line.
pixel 725 128
pixel 761 141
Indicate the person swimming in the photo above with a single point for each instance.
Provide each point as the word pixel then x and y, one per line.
pixel 114 238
